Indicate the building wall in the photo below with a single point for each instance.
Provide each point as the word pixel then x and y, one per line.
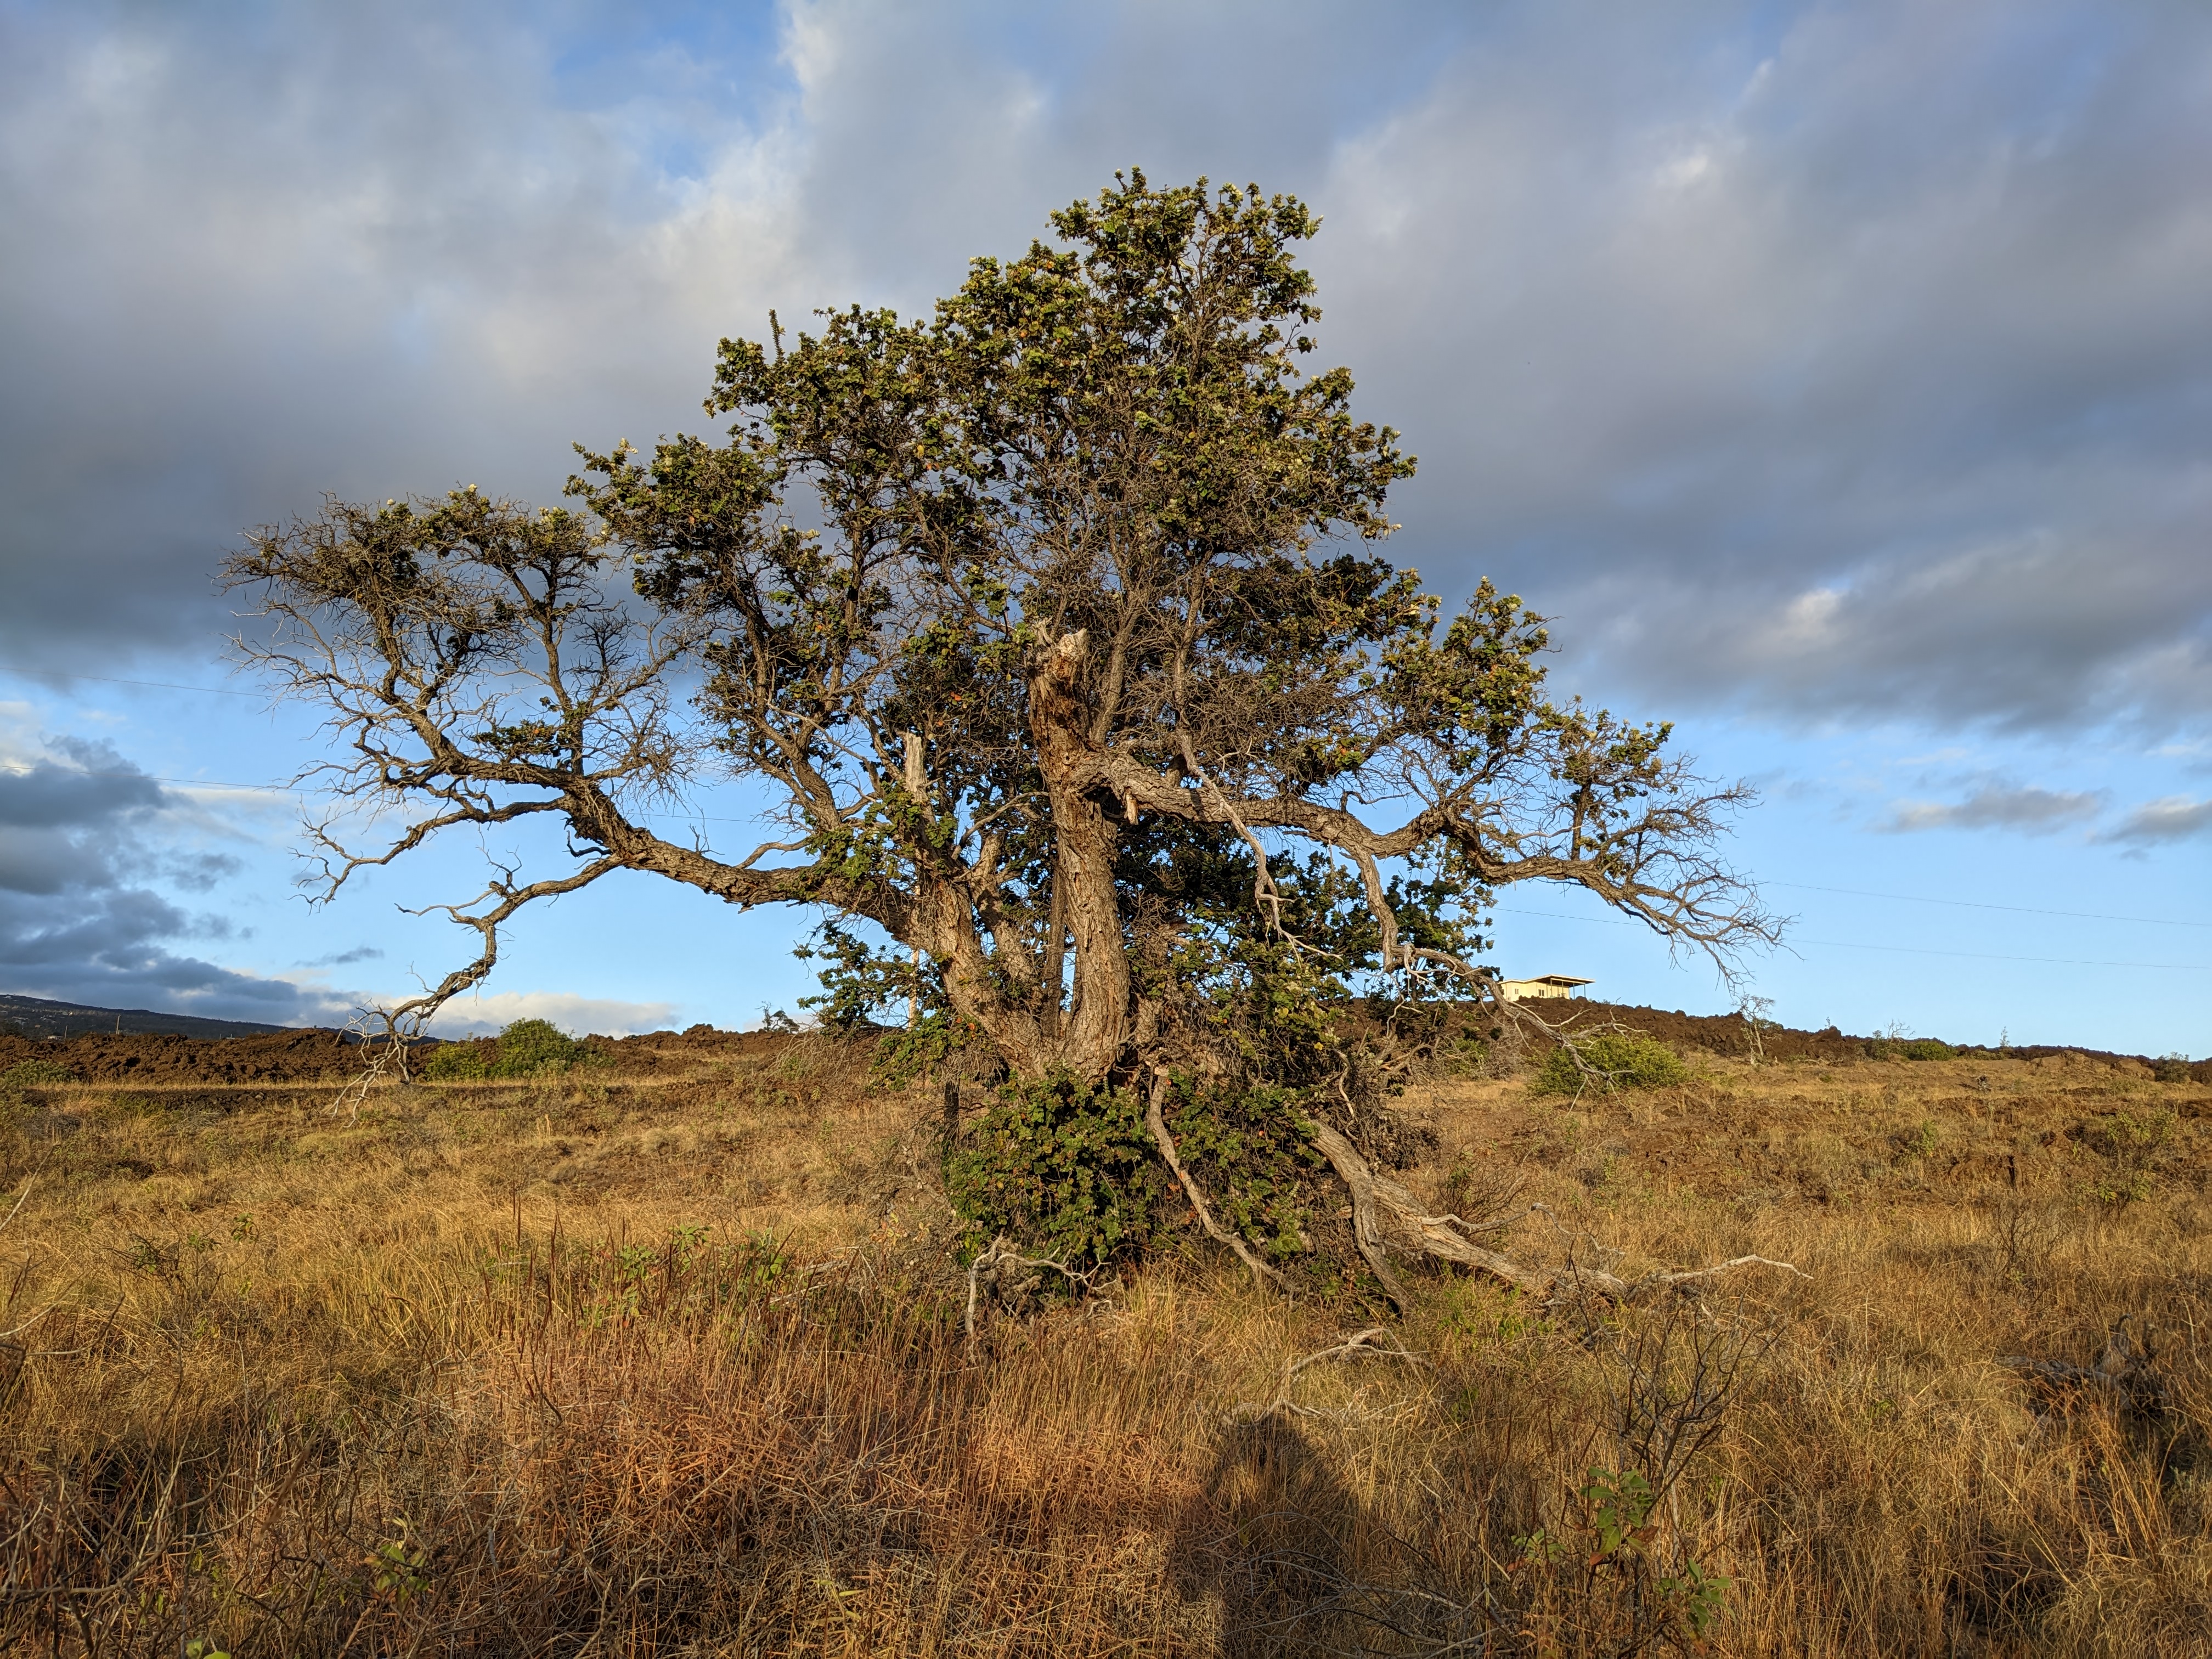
pixel 1523 990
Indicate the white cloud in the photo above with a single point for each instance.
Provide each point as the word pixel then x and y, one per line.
pixel 1832 360
pixel 479 1016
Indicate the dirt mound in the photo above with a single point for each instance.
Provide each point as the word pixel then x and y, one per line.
pixel 279 1057
pixel 658 1053
pixel 316 1056
pixel 1728 1034
pixel 1719 1034
pixel 326 1056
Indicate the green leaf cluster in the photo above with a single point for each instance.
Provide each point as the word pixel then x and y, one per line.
pixel 1067 1164
pixel 1253 1152
pixel 1620 1510
pixel 864 986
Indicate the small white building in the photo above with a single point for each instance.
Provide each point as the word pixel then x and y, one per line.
pixel 1545 985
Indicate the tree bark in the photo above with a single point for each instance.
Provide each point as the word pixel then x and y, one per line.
pixel 1096 1030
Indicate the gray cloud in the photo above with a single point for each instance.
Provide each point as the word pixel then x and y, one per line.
pixel 200 872
pixel 63 815
pixel 78 781
pixel 259 254
pixel 80 826
pixel 2177 818
pixel 1820 361
pixel 345 958
pixel 1851 371
pixel 112 948
pixel 1995 807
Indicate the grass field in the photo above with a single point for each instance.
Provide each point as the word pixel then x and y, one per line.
pixel 670 1357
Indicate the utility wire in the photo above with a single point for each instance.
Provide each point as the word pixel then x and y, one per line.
pixel 1794 886
pixel 288 789
pixel 109 679
pixel 1899 950
pixel 1971 905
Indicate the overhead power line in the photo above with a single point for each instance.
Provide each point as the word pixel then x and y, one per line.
pixel 1972 904
pixel 1794 886
pixel 110 679
pixel 1900 950
pixel 288 789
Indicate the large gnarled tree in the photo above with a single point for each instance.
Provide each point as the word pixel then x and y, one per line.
pixel 1020 614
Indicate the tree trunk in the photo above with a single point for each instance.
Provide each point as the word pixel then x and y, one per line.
pixel 1055 957
pixel 1096 1028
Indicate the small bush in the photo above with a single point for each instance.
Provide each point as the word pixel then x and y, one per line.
pixel 1071 1167
pixel 529 1047
pixel 1909 1049
pixel 33 1074
pixel 1619 1060
pixel 2132 1142
pixel 30 1074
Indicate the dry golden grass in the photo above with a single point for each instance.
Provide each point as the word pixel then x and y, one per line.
pixel 673 1364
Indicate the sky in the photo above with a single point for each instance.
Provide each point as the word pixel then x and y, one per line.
pixel 1838 378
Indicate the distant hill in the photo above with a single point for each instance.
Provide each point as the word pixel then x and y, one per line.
pixel 34 1017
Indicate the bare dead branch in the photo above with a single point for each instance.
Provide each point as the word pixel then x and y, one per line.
pixel 1361 1344
pixel 992 1266
pixel 1156 1120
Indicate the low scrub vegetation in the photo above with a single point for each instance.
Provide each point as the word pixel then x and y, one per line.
pixel 1610 1062
pixel 692 1354
pixel 528 1047
pixel 28 1074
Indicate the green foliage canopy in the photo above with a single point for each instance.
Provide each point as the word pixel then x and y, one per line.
pixel 1052 623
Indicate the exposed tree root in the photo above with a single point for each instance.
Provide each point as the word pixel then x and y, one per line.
pixel 2126 1374
pixel 1359 1345
pixel 1378 1201
pixel 1156 1120
pixel 1375 1195
pixel 993 1264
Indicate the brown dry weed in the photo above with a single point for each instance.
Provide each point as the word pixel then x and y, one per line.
pixel 670 1360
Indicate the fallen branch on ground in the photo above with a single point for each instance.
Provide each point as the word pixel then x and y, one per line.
pixel 994 1264
pixel 1361 1344
pixel 1376 1198
pixel 2125 1374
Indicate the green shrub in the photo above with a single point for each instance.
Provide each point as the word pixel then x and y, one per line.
pixel 456 1062
pixel 529 1047
pixel 1893 1048
pixel 1067 1165
pixel 1253 1152
pixel 1620 1061
pixel 31 1074
pixel 35 1074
